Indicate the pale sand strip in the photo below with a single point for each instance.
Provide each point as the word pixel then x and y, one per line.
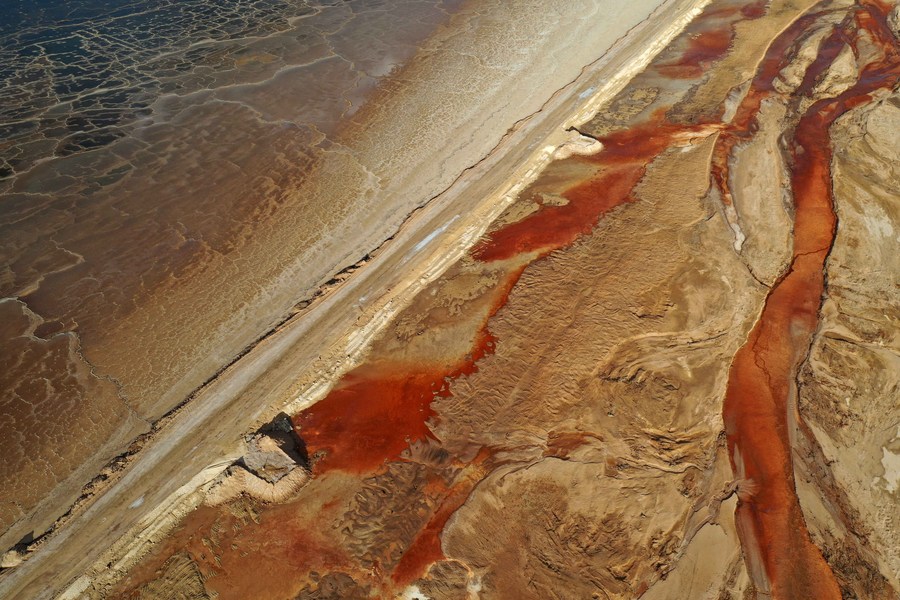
pixel 285 372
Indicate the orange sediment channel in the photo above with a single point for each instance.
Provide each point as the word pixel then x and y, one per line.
pixel 760 406
pixel 555 227
pixel 426 548
pixel 378 409
pixel 619 166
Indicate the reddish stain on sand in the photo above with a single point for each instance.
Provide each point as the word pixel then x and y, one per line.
pixel 371 416
pixel 553 227
pixel 620 165
pixel 426 548
pixel 240 558
pixel 702 51
pixel 377 410
pixel 709 39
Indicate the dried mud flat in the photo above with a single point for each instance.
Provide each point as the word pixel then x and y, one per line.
pixel 668 369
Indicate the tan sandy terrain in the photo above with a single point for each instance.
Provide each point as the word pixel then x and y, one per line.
pixel 666 370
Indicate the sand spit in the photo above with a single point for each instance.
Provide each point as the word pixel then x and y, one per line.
pixel 204 433
pixel 564 411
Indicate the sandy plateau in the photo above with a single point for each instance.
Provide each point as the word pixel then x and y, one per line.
pixel 648 348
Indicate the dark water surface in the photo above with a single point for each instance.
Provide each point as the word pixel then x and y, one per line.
pixel 76 75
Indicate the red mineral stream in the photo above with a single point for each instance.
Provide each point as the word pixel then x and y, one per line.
pixel 759 408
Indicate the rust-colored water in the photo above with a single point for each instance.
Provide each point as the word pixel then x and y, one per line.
pixel 702 51
pixel 426 548
pixel 553 227
pixel 759 409
pixel 377 410
pixel 371 416
pixel 619 167
pixel 743 125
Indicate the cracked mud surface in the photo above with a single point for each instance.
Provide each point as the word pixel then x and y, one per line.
pixel 669 369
